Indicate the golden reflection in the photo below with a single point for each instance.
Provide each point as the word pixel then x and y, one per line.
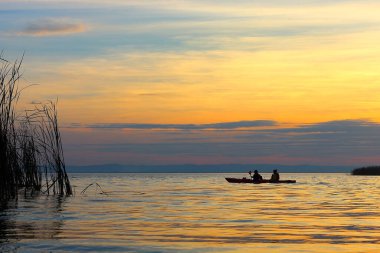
pixel 202 212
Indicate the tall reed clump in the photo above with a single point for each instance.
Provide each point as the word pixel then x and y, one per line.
pixel 48 139
pixel 9 160
pixel 31 154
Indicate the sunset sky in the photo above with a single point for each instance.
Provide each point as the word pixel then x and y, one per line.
pixel 204 81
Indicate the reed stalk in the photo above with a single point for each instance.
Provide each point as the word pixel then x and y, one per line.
pixel 9 94
pixel 31 153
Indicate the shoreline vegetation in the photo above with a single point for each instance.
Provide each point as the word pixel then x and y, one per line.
pixel 367 171
pixel 31 154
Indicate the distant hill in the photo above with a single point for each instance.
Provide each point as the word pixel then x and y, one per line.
pixel 221 168
pixel 368 171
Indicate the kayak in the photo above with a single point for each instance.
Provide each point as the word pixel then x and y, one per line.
pixel 248 180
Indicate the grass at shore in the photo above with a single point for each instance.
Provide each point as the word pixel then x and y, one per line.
pixel 31 154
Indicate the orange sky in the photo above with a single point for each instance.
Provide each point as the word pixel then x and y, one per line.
pixel 198 62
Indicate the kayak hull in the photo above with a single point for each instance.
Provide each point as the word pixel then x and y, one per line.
pixel 250 181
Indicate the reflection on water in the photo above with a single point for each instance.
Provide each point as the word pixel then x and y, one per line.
pixel 199 213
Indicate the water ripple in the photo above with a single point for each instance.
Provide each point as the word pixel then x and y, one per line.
pixel 198 213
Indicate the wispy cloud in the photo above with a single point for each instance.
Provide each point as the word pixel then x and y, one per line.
pixel 224 125
pixel 345 142
pixel 52 27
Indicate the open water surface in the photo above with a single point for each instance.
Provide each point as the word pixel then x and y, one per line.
pixel 198 213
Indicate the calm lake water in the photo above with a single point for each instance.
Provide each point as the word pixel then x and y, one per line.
pixel 198 213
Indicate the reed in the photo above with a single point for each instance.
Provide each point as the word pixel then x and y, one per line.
pixel 51 151
pixel 9 94
pixel 31 153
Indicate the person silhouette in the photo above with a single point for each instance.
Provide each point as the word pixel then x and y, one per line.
pixel 275 176
pixel 256 177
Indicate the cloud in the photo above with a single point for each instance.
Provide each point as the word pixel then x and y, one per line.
pixel 343 142
pixel 52 27
pixel 224 125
